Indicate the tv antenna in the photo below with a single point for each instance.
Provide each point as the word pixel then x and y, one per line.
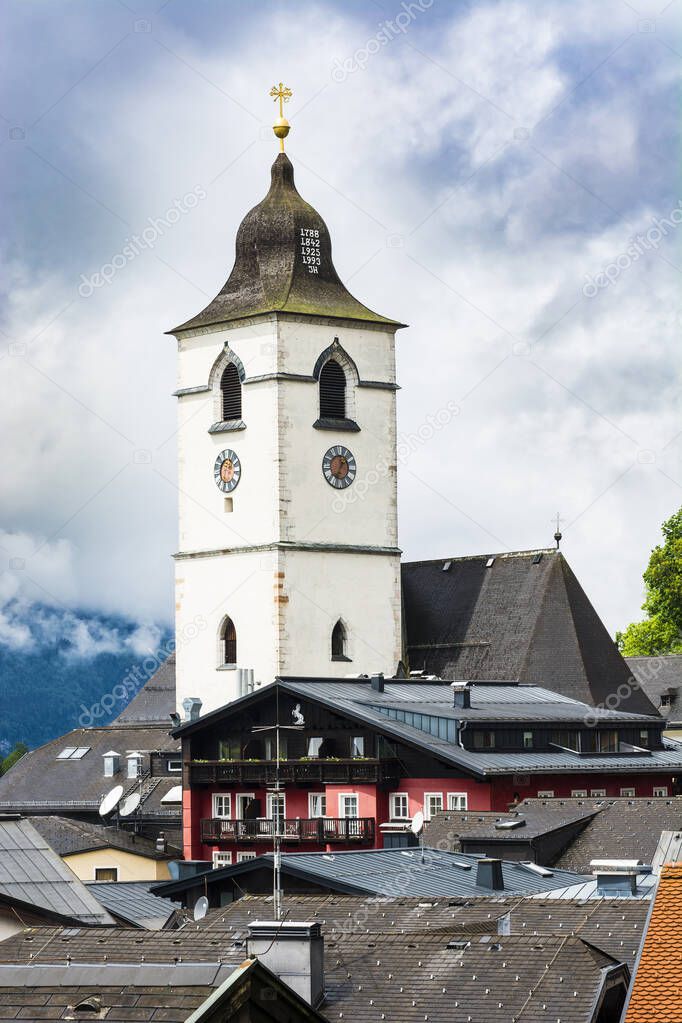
pixel 417 828
pixel 557 531
pixel 278 821
pixel 110 801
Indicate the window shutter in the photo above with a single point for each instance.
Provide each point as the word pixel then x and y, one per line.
pixel 332 391
pixel 231 391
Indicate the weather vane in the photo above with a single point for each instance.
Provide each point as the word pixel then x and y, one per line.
pixel 557 534
pixel 281 126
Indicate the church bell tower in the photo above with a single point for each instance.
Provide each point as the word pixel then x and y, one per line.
pixel 288 561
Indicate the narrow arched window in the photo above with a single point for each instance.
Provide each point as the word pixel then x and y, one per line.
pixel 228 640
pixel 332 391
pixel 339 642
pixel 231 393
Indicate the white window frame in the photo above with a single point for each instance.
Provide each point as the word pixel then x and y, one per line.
pixel 628 793
pixel 242 857
pixel 105 866
pixel 221 859
pixel 598 793
pixel 342 809
pixel 270 797
pixel 392 799
pixel 578 793
pixel 546 794
pixel 427 808
pixel 239 798
pixel 174 770
pixel 457 801
pixel 227 799
pixel 360 741
pixel 528 735
pixel 660 791
pixel 312 797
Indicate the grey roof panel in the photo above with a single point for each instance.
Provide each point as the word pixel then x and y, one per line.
pixel 133 902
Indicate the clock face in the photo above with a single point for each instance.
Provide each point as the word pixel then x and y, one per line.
pixel 339 467
pixel 227 470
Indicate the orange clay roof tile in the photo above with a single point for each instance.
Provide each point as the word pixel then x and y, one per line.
pixel 657 989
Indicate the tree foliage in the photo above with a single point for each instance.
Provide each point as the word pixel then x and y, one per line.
pixel 661 631
pixel 10 760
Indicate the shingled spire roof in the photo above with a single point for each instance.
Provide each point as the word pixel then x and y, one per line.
pixel 518 616
pixel 283 264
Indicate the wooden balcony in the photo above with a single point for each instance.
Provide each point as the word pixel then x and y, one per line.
pixel 264 772
pixel 320 830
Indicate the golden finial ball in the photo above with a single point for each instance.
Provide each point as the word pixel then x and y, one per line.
pixel 281 127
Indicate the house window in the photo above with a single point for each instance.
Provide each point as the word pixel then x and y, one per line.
pixel 332 391
pixel 348 804
pixel 222 859
pixel 357 746
pixel 484 740
pixel 270 746
pixel 608 741
pixel 598 793
pixel 242 857
pixel 106 873
pixel 228 642
pixel 314 745
pixel 399 806
pixel 277 807
pixel 527 740
pixel 457 801
pixel 73 753
pixel 174 766
pixel 644 737
pixel 229 749
pixel 660 790
pixel 433 802
pixel 339 642
pixel 243 801
pixel 666 699
pixel 546 794
pixel 222 805
pixel 231 393
pixel 317 804
pixel 578 793
pixel 627 792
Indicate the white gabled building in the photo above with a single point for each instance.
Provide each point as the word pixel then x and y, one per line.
pixel 288 559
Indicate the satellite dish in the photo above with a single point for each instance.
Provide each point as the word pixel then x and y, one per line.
pixel 129 804
pixel 110 800
pixel 417 823
pixel 201 908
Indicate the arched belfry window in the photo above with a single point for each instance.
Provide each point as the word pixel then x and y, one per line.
pixel 339 642
pixel 332 391
pixel 230 393
pixel 228 642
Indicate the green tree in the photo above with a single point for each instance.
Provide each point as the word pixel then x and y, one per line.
pixel 10 760
pixel 661 630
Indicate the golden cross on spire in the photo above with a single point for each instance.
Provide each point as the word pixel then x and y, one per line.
pixel 281 126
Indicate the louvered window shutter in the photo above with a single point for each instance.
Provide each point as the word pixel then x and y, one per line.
pixel 332 391
pixel 231 391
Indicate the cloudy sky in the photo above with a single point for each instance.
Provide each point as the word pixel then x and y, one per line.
pixel 485 169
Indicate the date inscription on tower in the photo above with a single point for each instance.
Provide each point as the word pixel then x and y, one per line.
pixel 310 248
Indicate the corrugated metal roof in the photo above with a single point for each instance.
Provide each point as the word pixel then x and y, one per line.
pixel 132 901
pixel 32 874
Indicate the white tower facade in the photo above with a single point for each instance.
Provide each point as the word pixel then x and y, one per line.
pixel 288 561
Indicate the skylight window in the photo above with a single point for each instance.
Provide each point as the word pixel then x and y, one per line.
pixel 73 753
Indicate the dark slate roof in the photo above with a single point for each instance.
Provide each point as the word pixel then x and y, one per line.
pixel 624 829
pixel 154 1001
pixel 32 876
pixel 530 821
pixel 269 273
pixel 39 782
pixel 68 836
pixel 355 699
pixel 155 701
pixel 385 871
pixel 132 902
pixel 658 676
pixel 522 618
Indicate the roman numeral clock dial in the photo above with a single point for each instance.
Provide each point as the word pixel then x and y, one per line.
pixel 227 471
pixel 339 467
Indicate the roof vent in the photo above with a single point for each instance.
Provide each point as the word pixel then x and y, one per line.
pixel 510 825
pixel 447 565
pixel 377 682
pixel 617 877
pixel 489 874
pixel 490 562
pixel 537 559
pixel 192 708
pixel 294 952
pixel 461 694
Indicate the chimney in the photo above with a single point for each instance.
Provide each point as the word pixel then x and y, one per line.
pixel 461 694
pixel 192 708
pixel 489 874
pixel 161 843
pixel 294 952
pixel 618 877
pixel 377 682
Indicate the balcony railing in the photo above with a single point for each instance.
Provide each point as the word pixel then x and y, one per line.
pixel 300 829
pixel 326 771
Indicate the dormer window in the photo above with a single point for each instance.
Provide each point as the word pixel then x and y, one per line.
pixel 230 393
pixel 112 763
pixel 134 761
pixel 332 391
